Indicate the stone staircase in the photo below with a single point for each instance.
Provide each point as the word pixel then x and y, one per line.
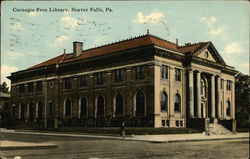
pixel 217 129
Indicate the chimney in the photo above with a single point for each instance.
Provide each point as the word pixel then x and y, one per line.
pixel 77 48
pixel 177 43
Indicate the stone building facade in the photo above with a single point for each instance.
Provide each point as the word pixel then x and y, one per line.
pixel 144 81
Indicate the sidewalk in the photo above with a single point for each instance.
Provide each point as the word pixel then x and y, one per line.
pixel 142 138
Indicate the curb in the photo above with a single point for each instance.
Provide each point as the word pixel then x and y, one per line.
pixel 34 147
pixel 121 138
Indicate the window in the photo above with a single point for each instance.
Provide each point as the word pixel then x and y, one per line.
pixel 99 78
pixel 50 109
pixel 68 108
pixel 22 88
pixel 31 110
pixel 13 111
pixel 119 75
pixel 177 103
pixel 164 72
pixel 139 72
pixel 67 83
pixel 228 108
pixel 82 81
pixel 164 101
pixel 118 105
pixel 100 107
pixel 181 123
pixel 163 123
pixel 177 74
pixel 39 86
pixel 83 108
pixel 177 123
pixel 167 123
pixel 22 111
pixel 140 104
pixel 206 54
pixel 40 109
pixel 203 87
pixel 30 87
pixel 228 86
pixel 221 84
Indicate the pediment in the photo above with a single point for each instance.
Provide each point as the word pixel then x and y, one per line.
pixel 209 52
pixel 206 54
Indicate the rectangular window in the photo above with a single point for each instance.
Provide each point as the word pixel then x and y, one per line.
pixel 167 123
pixel 181 123
pixel 67 83
pixel 22 88
pixel 50 110
pixel 82 81
pixel 221 84
pixel 119 75
pixel 177 123
pixel 177 74
pixel 99 78
pixel 39 86
pixel 30 87
pixel 228 86
pixel 163 123
pixel 139 72
pixel 164 72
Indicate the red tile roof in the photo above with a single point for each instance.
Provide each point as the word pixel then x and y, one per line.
pixel 120 46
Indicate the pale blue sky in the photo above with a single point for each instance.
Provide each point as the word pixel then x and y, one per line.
pixel 30 38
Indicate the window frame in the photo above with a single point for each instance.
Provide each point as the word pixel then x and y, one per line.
pixel 164 72
pixel 177 74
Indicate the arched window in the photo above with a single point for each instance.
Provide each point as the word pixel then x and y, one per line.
pixel 31 110
pixel 164 101
pixel 83 108
pixel 22 111
pixel 119 105
pixel 39 109
pixel 100 106
pixel 177 103
pixel 228 108
pixel 68 108
pixel 140 104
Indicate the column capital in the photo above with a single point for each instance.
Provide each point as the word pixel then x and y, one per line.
pixel 171 67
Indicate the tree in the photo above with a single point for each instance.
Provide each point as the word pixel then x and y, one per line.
pixel 4 87
pixel 242 97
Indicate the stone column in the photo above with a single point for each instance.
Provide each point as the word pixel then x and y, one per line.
pixel 198 95
pixel 219 97
pixel 129 107
pixel 233 100
pixel 212 97
pixel 45 102
pixel 109 98
pixel 191 93
pixel 171 93
pixel 157 107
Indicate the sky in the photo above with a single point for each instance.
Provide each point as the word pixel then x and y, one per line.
pixel 33 32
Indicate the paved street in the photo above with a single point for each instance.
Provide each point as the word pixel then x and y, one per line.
pixel 79 148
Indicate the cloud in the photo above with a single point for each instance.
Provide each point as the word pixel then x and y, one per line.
pixel 60 39
pixel 69 21
pixel 6 70
pixel 233 47
pixel 209 21
pixel 218 31
pixel 13 54
pixel 32 13
pixel 16 26
pixel 153 17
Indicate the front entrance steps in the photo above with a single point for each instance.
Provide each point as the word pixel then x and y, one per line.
pixel 217 129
